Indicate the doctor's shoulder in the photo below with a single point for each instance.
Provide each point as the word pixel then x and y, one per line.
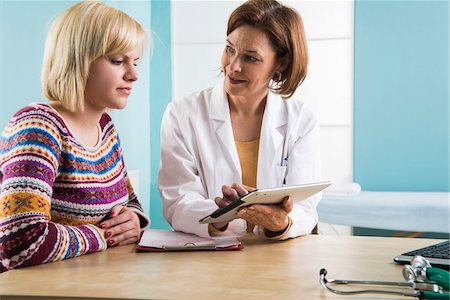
pixel 300 114
pixel 192 105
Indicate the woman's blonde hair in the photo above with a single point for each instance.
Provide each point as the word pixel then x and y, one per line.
pixel 81 34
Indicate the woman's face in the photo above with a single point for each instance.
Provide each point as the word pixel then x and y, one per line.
pixel 249 62
pixel 110 81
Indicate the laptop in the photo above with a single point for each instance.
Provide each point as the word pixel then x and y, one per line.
pixel 438 255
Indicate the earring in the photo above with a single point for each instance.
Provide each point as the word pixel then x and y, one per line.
pixel 277 76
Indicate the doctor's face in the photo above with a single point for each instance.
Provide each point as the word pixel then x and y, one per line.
pixel 249 62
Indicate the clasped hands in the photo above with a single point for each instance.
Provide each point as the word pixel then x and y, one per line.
pixel 122 226
pixel 271 217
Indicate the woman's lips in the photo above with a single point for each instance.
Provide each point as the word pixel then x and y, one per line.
pixel 126 91
pixel 234 80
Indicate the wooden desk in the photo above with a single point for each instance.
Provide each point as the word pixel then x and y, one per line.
pixel 262 270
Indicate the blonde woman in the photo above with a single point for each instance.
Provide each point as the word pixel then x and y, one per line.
pixel 64 187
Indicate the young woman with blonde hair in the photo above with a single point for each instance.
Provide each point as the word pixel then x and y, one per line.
pixel 64 187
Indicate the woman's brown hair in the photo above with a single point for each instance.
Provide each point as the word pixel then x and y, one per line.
pixel 284 27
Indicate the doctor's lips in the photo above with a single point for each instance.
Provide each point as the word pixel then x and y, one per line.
pixel 234 80
pixel 125 90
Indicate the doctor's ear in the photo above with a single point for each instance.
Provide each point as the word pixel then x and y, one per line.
pixel 282 65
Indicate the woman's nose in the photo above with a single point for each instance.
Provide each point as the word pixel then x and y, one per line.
pixel 235 64
pixel 131 74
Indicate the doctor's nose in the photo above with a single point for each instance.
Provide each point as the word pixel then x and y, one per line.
pixel 235 65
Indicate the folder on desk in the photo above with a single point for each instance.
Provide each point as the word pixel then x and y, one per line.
pixel 157 240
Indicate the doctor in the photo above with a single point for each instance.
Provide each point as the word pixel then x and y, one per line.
pixel 246 132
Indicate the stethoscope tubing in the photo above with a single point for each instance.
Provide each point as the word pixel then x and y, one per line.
pixel 418 294
pixel 324 282
pixel 441 277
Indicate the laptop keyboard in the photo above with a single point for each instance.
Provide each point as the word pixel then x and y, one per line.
pixel 441 250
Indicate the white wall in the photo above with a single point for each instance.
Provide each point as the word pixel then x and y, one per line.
pixel 198 38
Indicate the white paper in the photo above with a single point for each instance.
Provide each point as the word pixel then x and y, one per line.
pixel 158 238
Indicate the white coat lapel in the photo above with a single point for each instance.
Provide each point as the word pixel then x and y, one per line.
pixel 221 122
pixel 272 139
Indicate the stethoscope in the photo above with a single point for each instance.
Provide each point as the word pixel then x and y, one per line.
pixel 427 282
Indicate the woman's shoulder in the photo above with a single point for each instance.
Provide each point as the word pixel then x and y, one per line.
pixel 301 115
pixel 298 104
pixel 37 115
pixel 34 124
pixel 195 98
pixel 193 104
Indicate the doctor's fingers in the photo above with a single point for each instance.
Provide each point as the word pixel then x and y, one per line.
pixel 221 202
pixel 287 205
pixel 270 217
pixel 241 189
pixel 230 193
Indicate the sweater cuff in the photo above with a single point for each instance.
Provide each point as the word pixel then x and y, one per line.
pixel 101 240
pixel 143 219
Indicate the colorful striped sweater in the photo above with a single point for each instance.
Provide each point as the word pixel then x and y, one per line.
pixel 54 190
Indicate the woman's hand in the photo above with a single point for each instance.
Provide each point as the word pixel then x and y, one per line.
pixel 122 227
pixel 230 194
pixel 272 217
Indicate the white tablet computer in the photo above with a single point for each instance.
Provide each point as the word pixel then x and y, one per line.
pixel 265 196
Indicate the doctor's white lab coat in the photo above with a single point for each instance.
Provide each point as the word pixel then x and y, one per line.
pixel 198 156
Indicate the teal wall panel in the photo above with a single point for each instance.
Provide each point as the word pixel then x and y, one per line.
pixel 401 108
pixel 161 95
pixel 23 28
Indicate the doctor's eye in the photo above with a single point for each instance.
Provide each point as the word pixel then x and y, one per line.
pixel 229 50
pixel 250 58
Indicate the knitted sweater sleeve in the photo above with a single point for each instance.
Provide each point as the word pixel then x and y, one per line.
pixel 30 149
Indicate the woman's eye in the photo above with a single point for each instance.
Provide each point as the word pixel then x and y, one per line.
pixel 116 62
pixel 229 49
pixel 251 58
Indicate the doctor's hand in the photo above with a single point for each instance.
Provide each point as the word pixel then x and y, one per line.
pixel 122 227
pixel 272 217
pixel 231 193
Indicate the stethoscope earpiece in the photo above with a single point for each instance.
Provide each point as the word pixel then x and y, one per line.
pixel 418 262
pixel 409 273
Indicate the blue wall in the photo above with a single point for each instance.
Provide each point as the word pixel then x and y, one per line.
pixel 23 28
pixel 161 95
pixel 401 108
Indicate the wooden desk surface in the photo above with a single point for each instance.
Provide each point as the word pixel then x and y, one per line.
pixel 262 270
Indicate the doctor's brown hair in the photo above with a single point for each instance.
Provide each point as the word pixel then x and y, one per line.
pixel 284 28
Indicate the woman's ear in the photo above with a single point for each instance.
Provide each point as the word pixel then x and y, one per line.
pixel 282 64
